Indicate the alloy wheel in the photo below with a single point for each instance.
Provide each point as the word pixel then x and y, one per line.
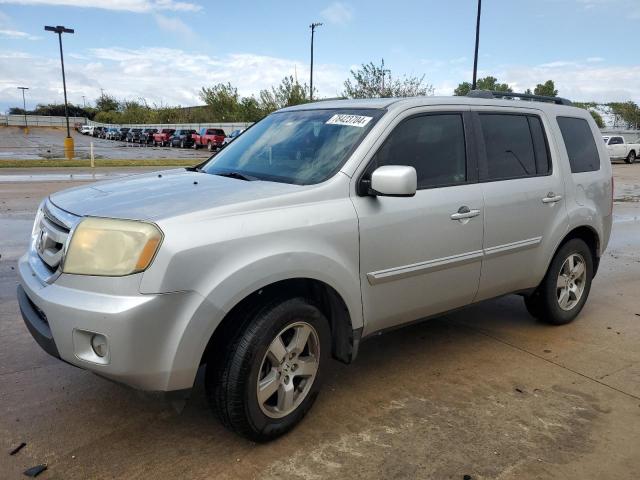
pixel 571 281
pixel 288 370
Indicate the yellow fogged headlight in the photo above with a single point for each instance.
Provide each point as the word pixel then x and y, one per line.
pixel 110 247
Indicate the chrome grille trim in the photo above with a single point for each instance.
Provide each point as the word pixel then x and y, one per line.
pixel 50 241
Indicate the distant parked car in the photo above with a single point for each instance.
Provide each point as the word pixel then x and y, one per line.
pixel 112 133
pixel 233 135
pixel 85 129
pixel 97 131
pixel 162 137
pixel 182 138
pixel 146 136
pixel 212 138
pixel 122 133
pixel 133 135
pixel 619 149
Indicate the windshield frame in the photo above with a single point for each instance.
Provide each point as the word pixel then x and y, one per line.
pixel 375 113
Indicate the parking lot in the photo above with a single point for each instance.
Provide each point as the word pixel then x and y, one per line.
pixel 486 391
pixel 47 143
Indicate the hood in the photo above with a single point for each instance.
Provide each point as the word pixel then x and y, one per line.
pixel 158 195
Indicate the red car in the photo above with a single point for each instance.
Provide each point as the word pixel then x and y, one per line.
pixel 212 138
pixel 162 137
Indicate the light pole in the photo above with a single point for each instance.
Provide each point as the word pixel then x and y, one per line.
pixel 313 29
pixel 68 142
pixel 84 103
pixel 384 71
pixel 475 57
pixel 24 109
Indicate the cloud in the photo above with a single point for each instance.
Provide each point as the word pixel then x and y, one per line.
pixel 338 13
pixel 17 35
pixel 137 6
pixel 164 76
pixel 174 25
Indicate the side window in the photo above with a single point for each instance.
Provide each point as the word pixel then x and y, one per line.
pixel 515 146
pixel 433 144
pixel 616 141
pixel 581 147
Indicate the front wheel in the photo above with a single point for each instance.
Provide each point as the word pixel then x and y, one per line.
pixel 565 288
pixel 269 376
pixel 631 158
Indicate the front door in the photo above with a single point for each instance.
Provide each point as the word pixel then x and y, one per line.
pixel 421 255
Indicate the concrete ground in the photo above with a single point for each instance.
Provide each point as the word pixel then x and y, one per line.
pixel 47 142
pixel 486 392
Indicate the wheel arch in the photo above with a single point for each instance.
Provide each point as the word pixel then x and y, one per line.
pixel 344 338
pixel 587 234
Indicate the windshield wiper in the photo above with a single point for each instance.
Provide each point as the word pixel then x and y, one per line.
pixel 193 169
pixel 238 175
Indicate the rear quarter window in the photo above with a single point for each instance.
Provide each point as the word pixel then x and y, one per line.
pixel 580 144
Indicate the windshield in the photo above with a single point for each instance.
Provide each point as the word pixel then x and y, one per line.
pixel 300 147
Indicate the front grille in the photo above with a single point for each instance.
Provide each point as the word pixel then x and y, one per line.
pixel 51 238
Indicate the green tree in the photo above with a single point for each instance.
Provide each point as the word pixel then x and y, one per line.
pixel 547 88
pixel 288 93
pixel 374 81
pixel 107 103
pixel 485 83
pixel 223 100
pixel 591 108
pixel 625 114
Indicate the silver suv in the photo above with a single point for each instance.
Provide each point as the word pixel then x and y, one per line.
pixel 317 227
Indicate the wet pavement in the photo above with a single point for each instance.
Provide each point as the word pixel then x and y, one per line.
pixel 486 391
pixel 47 143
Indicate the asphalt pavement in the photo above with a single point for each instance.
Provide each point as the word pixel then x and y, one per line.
pixel 486 391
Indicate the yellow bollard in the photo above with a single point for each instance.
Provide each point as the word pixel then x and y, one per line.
pixel 68 148
pixel 26 130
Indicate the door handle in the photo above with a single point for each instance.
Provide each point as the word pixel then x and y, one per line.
pixel 551 198
pixel 464 212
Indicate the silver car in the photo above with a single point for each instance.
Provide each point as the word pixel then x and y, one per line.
pixel 319 226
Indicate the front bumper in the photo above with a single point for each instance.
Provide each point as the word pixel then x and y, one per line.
pixel 148 344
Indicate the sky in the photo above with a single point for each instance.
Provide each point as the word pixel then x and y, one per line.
pixel 165 50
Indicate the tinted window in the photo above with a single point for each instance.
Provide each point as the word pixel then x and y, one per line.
pixel 581 147
pixel 616 141
pixel 433 144
pixel 515 146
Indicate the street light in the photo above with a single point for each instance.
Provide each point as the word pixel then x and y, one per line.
pixel 24 109
pixel 68 142
pixel 313 29
pixel 475 57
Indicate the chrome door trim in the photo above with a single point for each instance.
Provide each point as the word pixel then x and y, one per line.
pixel 404 271
pixel 512 247
pixel 396 273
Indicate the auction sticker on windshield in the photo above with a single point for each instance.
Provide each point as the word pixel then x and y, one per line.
pixel 349 120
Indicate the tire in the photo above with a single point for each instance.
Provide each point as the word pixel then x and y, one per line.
pixel 233 374
pixel 556 304
pixel 631 158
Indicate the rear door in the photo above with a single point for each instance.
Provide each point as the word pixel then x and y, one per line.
pixel 523 195
pixel 420 256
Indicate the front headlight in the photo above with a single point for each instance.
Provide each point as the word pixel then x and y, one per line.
pixel 110 247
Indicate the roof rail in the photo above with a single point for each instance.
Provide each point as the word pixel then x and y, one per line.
pixel 522 96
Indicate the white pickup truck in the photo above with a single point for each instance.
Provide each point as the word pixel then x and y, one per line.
pixel 619 149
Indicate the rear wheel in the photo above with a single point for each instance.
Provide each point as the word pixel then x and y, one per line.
pixel 269 376
pixel 565 288
pixel 631 158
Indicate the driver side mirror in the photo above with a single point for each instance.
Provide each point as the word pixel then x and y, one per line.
pixel 394 181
